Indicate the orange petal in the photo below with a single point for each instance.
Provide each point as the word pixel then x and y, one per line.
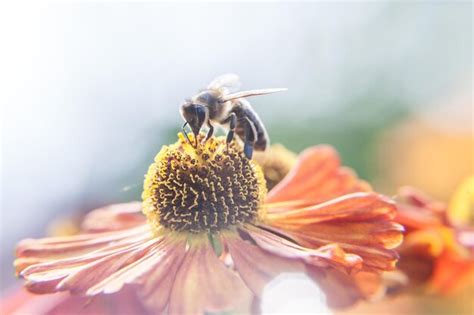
pixel 114 217
pixel 256 266
pixel 317 176
pixel 373 233
pixel 81 258
pixel 414 218
pixel 452 272
pixel 329 255
pixel 94 273
pixel 416 210
pixel 360 206
pixel 359 223
pixel 342 289
pixel 35 251
pixel 110 274
pixel 59 247
pixel 155 285
pixel 204 284
pixel 100 265
pixel 371 246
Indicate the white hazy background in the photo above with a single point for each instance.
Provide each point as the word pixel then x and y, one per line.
pixel 88 90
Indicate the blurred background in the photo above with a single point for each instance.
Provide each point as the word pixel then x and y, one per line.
pixel 90 93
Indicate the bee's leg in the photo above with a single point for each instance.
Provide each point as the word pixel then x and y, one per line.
pixel 185 133
pixel 210 132
pixel 250 137
pixel 232 119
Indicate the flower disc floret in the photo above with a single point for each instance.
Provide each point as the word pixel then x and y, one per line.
pixel 205 189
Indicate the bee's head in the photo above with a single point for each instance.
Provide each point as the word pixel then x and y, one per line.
pixel 194 115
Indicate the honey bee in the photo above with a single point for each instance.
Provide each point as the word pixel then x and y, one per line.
pixel 219 104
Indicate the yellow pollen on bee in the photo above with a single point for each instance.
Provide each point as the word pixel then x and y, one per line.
pixel 210 188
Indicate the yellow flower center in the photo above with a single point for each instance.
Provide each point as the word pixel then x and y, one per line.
pixel 205 189
pixel 276 162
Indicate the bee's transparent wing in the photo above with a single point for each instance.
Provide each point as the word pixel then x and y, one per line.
pixel 230 82
pixel 249 93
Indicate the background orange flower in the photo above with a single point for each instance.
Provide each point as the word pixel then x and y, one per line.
pixel 438 249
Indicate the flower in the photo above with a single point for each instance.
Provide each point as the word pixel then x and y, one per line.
pixel 438 249
pixel 211 238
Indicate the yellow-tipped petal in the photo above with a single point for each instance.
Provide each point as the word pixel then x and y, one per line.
pixel 461 206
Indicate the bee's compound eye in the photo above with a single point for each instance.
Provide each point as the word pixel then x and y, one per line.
pixel 188 111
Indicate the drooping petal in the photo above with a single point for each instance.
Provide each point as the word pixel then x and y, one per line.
pixel 91 264
pixel 317 177
pixel 34 251
pixel 91 273
pixel 374 256
pixel 204 284
pixel 154 286
pixel 373 233
pixel 114 217
pixel 342 289
pixel 359 223
pixel 362 206
pixel 324 256
pixel 109 274
pixel 256 266
pixel 337 273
